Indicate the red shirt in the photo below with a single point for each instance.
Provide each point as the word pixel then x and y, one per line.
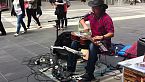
pixel 100 26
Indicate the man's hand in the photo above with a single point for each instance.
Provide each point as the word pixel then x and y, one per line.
pixel 97 38
pixel 86 30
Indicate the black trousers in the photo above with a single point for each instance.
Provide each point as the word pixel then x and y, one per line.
pixel 32 13
pixel 3 32
pixel 61 18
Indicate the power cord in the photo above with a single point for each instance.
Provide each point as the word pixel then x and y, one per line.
pixel 39 62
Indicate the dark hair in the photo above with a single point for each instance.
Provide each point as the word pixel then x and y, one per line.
pixel 102 8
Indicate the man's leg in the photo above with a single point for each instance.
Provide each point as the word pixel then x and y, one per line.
pixel 62 20
pixel 28 11
pixel 19 18
pixel 93 51
pixel 65 17
pixel 1 26
pixel 35 17
pixel 23 25
pixel 58 21
pixel 72 59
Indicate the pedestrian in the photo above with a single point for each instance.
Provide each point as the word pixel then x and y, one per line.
pixel 31 12
pixel 66 6
pixel 18 10
pixel 52 2
pixel 83 1
pixel 3 32
pixel 60 12
pixel 133 2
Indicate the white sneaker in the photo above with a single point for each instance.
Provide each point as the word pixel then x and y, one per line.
pixel 16 34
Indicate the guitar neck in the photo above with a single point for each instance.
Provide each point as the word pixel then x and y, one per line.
pixel 89 38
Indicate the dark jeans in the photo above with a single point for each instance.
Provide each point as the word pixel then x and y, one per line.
pixel 72 59
pixel 32 13
pixel 60 19
pixel 19 23
pixel 39 11
pixel 2 27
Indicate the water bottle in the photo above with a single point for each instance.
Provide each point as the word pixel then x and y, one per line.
pixel 116 51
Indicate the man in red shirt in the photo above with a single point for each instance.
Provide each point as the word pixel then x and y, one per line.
pixel 102 28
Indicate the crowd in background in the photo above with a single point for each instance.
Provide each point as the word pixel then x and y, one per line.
pixel 32 8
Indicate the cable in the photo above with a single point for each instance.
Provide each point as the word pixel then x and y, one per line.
pixel 39 62
pixel 39 76
pixel 116 77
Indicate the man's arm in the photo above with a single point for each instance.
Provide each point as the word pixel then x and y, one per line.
pixel 108 35
pixel 98 38
pixel 57 3
pixel 83 23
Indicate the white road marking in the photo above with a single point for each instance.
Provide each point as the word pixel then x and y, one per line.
pixel 50 13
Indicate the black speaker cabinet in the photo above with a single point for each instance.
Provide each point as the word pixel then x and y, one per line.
pixel 141 47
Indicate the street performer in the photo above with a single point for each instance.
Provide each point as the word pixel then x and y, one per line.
pixel 102 28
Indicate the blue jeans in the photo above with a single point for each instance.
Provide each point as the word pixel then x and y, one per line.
pixel 72 59
pixel 19 23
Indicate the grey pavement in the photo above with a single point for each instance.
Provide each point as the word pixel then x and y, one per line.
pixel 128 21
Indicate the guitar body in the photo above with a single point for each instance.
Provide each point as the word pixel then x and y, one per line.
pixel 85 40
pixel 74 37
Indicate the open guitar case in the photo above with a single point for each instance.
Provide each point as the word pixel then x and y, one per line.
pixel 64 39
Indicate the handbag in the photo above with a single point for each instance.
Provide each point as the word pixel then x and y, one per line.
pixel 26 5
pixel 57 12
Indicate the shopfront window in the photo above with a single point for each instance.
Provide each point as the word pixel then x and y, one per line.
pixel 3 4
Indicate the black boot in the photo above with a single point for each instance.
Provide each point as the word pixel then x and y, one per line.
pixel 87 77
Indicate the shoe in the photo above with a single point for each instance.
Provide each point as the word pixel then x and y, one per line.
pixel 28 27
pixel 3 34
pixel 65 27
pixel 58 28
pixel 25 31
pixel 16 34
pixel 85 80
pixel 39 26
pixel 87 77
pixel 68 73
pixel 62 29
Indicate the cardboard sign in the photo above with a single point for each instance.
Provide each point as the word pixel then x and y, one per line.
pixel 85 53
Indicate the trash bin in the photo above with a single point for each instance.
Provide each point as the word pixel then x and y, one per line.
pixel 141 47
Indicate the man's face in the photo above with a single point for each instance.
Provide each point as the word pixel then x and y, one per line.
pixel 96 10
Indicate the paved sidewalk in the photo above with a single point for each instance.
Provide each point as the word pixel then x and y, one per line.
pixel 128 21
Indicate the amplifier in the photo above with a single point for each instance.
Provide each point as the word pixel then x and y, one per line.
pixel 141 47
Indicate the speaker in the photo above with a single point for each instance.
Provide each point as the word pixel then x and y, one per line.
pixel 141 47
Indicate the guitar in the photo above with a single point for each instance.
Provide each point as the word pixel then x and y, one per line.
pixel 83 38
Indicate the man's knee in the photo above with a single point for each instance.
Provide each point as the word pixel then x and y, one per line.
pixel 92 46
pixel 74 44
